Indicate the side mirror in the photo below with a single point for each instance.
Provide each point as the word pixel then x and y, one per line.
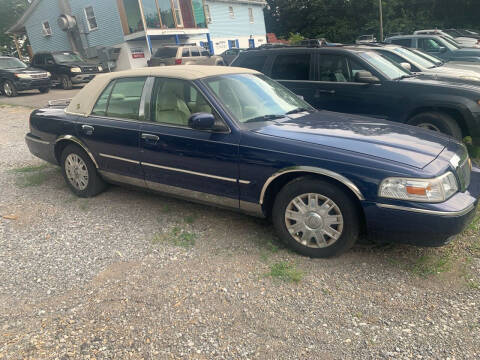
pixel 366 77
pixel 201 121
pixel 406 66
pixel 441 49
pixel 301 97
pixel 50 62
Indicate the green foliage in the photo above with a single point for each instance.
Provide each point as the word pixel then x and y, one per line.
pixel 345 20
pixel 10 12
pixel 295 38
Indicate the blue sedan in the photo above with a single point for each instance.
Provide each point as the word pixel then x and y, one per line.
pixel 234 138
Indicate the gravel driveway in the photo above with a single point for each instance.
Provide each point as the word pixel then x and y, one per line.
pixel 131 275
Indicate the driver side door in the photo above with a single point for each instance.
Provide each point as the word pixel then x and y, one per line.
pixel 184 161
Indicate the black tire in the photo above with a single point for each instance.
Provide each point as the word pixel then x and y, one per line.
pixel 9 89
pixel 344 203
pixel 44 90
pixel 437 121
pixel 65 82
pixel 220 63
pixel 95 183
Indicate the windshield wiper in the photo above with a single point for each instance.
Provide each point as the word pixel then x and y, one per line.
pixel 265 118
pixel 297 110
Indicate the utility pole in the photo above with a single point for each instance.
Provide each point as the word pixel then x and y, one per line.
pixel 381 20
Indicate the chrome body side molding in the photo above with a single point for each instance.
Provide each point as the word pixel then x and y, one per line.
pixel 119 158
pixel 31 138
pixel 429 212
pixel 80 143
pixel 312 170
pixel 191 195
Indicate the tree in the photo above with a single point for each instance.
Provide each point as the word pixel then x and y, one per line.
pixel 10 12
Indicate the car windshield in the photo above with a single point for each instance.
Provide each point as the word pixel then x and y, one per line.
pixel 67 58
pixel 450 43
pixel 390 69
pixel 437 61
pixel 250 97
pixel 410 55
pixel 11 63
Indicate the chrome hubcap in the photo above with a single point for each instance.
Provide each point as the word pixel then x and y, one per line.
pixel 429 126
pixel 77 172
pixel 7 89
pixel 314 220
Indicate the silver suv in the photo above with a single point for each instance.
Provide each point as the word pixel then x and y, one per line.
pixel 184 55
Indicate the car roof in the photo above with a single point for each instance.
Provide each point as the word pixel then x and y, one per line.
pixel 289 49
pixel 83 102
pixel 415 36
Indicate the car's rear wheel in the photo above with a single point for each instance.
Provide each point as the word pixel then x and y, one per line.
pixel 439 122
pixel 65 82
pixel 80 173
pixel 44 90
pixel 9 88
pixel 316 218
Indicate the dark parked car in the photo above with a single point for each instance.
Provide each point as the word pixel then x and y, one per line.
pixel 16 76
pixel 237 139
pixel 67 68
pixel 361 81
pixel 230 54
pixel 437 45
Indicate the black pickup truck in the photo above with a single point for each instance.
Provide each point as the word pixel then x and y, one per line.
pixel 360 81
pixel 67 68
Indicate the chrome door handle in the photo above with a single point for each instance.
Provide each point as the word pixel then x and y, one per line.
pixel 87 129
pixel 149 137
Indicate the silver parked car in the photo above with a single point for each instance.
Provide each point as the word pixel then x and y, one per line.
pixel 184 55
pixel 366 39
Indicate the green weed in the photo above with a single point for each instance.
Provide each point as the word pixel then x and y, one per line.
pixel 285 271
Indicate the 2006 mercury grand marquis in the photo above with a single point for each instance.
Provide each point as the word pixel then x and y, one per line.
pixel 235 138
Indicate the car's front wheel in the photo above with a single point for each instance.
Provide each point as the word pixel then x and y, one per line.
pixel 9 88
pixel 65 82
pixel 316 218
pixel 80 173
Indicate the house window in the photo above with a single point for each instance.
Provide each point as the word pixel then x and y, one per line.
pixel 178 13
pixel 207 14
pixel 230 11
pixel 47 30
pixel 91 20
pixel 250 15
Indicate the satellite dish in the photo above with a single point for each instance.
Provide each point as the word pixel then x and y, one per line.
pixel 66 22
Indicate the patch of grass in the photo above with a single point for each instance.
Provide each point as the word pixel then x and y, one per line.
pixel 30 169
pixel 427 265
pixel 177 237
pixel 285 271
pixel 190 219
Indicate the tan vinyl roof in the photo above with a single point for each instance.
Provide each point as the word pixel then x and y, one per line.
pixel 84 101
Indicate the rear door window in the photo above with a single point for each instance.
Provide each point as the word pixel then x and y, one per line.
pixel 124 99
pixel 185 52
pixel 100 107
pixel 166 52
pixel 195 52
pixel 253 62
pixel 291 67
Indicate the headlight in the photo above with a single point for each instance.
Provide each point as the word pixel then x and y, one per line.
pixel 424 190
pixel 100 68
pixel 23 76
pixel 76 70
pixel 49 74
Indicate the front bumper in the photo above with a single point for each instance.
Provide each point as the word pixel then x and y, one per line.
pixel 423 224
pixel 82 78
pixel 30 84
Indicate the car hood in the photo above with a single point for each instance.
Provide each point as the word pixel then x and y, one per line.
pixel 27 70
pixel 444 81
pixel 382 139
pixel 462 65
pixel 448 73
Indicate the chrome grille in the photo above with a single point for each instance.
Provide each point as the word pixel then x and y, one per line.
pixel 39 76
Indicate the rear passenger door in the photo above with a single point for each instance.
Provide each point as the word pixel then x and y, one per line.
pixel 111 132
pixel 295 71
